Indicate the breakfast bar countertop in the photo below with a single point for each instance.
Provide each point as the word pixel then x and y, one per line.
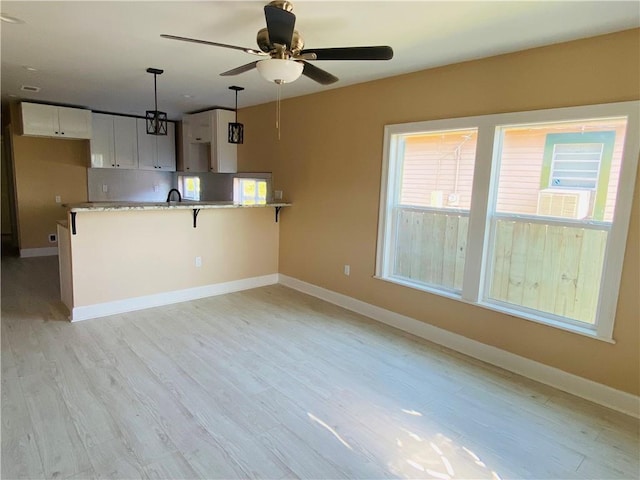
pixel 184 205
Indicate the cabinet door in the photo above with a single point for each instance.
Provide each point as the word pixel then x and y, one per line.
pixel 126 142
pixel 102 141
pixel 147 154
pixel 224 158
pixel 74 122
pixel 166 149
pixel 40 120
pixel 200 127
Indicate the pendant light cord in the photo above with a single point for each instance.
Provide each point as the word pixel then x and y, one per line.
pixel 236 106
pixel 155 91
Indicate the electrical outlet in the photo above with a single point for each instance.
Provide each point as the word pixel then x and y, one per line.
pixel 198 262
pixel 58 199
pixel 347 270
pixel 156 188
pixel 53 238
pixel 105 188
pixel 277 195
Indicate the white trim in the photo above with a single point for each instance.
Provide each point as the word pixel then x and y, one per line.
pixel 38 252
pixel 596 392
pixel 167 298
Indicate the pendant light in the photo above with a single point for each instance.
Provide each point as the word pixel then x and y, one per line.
pixel 156 120
pixel 236 130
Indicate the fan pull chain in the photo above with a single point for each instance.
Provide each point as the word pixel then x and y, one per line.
pixel 278 110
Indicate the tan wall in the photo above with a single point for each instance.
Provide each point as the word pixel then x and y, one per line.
pixel 44 168
pixel 5 199
pixel 328 163
pixel 234 244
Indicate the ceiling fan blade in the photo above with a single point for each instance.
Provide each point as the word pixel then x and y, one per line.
pixel 205 42
pixel 351 53
pixel 280 25
pixel 321 76
pixel 239 70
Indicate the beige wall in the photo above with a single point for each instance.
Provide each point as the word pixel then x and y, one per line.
pixel 161 246
pixel 328 163
pixel 44 168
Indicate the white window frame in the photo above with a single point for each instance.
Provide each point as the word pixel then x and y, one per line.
pixel 483 201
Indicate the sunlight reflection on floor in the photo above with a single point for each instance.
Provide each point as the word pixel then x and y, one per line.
pixel 420 454
pixel 416 445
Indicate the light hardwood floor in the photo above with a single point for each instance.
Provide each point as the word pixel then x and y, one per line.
pixel 271 383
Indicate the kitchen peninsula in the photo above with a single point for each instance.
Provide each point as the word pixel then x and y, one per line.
pixel 117 257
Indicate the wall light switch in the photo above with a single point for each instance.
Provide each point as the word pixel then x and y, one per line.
pixel 156 188
pixel 105 188
pixel 198 262
pixel 58 199
pixel 277 195
pixel 347 270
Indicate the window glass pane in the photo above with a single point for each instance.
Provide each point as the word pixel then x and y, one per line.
pixel 249 191
pixel 437 169
pixel 548 268
pixel 431 210
pixel 189 187
pixel 565 170
pixel 557 175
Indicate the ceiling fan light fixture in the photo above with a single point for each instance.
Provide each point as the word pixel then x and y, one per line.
pixel 280 70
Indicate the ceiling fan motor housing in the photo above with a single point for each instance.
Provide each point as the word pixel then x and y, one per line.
pixel 264 43
pixel 283 4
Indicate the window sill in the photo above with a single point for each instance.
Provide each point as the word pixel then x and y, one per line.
pixel 586 332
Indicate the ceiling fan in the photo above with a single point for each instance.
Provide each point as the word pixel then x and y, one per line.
pixel 283 48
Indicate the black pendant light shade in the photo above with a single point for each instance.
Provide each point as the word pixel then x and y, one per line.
pixel 236 130
pixel 156 120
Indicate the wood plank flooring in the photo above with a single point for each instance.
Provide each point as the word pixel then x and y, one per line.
pixel 271 383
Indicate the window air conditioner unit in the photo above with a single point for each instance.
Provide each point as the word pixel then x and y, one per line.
pixel 555 202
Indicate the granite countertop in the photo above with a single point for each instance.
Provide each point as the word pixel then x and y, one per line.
pixel 184 205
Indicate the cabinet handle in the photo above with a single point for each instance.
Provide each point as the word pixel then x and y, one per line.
pixel 117 165
pixel 113 164
pixel 56 133
pixel 61 133
pixel 198 138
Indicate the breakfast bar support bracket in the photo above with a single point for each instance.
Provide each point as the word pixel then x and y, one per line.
pixel 196 211
pixel 73 223
pixel 277 213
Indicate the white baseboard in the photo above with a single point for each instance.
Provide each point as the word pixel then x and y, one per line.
pixel 609 397
pixel 157 300
pixel 38 252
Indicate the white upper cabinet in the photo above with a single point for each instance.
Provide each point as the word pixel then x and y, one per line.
pixel 102 145
pixel 114 143
pixel 125 141
pixel 54 121
pixel 224 155
pixel 205 145
pixel 156 152
pixel 166 145
pixel 199 127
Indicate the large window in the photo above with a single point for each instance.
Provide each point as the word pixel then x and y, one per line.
pixel 525 213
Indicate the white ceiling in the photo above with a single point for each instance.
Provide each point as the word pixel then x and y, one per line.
pixel 95 54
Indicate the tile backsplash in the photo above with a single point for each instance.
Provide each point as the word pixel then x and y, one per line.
pixel 120 185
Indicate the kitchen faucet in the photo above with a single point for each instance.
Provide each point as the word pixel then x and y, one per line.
pixel 171 191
